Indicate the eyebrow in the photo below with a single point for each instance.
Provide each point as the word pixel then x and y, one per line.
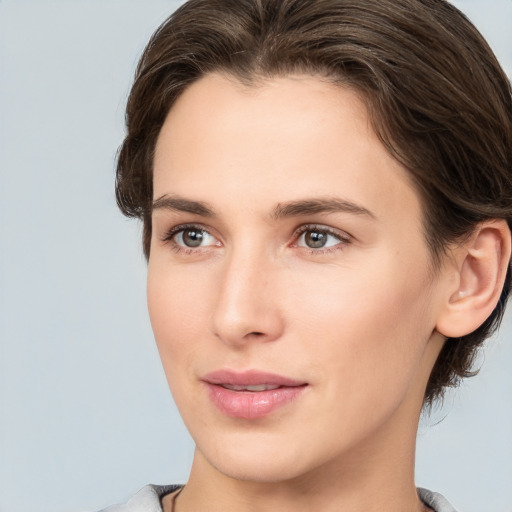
pixel 319 205
pixel 296 208
pixel 180 204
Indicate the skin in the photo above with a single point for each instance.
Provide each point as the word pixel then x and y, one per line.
pixel 356 319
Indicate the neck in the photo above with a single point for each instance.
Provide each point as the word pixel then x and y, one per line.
pixel 379 475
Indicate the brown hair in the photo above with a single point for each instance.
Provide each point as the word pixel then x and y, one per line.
pixel 435 93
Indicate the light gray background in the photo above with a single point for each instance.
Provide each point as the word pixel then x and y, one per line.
pixel 86 418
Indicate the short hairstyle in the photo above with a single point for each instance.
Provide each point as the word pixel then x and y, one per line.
pixel 435 93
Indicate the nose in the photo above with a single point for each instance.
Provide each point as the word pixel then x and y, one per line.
pixel 247 306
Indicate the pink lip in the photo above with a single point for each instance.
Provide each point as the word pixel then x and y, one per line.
pixel 251 404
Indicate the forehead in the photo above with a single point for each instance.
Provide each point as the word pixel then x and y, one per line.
pixel 280 140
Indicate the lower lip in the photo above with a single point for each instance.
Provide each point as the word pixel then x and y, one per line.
pixel 252 404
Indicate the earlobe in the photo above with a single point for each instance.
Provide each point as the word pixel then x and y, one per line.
pixel 481 265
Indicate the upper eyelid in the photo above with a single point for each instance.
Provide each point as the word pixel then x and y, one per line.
pixel 338 233
pixel 182 227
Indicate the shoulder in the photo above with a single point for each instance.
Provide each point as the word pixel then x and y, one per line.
pixel 435 501
pixel 146 500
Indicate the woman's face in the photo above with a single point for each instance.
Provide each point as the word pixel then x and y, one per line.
pixel 290 288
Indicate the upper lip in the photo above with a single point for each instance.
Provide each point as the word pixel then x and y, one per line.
pixel 250 378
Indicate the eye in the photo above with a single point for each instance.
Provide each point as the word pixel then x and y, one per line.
pixel 191 237
pixel 320 238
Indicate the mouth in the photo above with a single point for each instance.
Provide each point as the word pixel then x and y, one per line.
pixel 252 394
pixel 255 389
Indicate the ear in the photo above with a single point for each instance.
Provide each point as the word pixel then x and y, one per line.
pixel 480 266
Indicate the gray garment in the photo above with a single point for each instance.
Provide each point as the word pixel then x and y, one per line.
pixel 148 500
pixel 435 501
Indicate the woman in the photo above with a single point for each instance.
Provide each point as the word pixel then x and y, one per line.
pixel 325 188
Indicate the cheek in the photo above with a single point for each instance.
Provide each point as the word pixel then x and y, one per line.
pixel 178 310
pixel 369 327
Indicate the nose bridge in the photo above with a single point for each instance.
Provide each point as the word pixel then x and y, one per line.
pixel 245 306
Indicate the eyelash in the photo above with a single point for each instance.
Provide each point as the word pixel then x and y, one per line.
pixel 344 239
pixel 169 238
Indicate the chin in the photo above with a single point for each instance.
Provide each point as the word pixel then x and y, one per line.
pixel 261 458
pixel 258 470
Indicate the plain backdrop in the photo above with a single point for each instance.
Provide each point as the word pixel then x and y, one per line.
pixel 85 415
